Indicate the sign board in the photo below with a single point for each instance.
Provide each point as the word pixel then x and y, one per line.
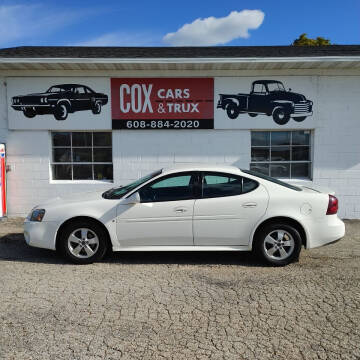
pixel 2 181
pixel 162 103
pixel 59 103
pixel 99 103
pixel 265 102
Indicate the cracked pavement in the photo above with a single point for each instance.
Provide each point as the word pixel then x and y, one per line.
pixel 179 305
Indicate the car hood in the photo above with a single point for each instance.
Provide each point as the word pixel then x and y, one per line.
pixel 73 198
pixel 35 94
pixel 288 95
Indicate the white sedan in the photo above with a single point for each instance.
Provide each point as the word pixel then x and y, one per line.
pixel 191 208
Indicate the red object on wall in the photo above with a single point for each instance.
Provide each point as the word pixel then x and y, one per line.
pixel 2 181
pixel 172 99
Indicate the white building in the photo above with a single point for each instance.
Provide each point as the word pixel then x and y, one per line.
pixel 165 106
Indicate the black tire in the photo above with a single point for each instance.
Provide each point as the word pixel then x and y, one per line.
pixel 68 248
pixel 96 108
pixel 280 116
pixel 29 113
pixel 262 246
pixel 61 111
pixel 299 118
pixel 253 115
pixel 232 111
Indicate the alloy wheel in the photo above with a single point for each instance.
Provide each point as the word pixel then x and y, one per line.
pixel 279 244
pixel 83 243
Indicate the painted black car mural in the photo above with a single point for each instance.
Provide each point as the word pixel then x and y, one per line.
pixel 267 97
pixel 60 100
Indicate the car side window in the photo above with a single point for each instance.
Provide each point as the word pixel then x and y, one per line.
pixel 80 90
pixel 221 185
pixel 259 88
pixel 249 185
pixel 169 188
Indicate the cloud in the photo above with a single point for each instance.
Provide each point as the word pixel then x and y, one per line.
pixel 120 39
pixel 215 31
pixel 26 22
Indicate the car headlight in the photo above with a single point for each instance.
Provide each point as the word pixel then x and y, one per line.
pixel 37 215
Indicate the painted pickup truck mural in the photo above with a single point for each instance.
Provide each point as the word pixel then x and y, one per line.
pixel 60 100
pixel 267 97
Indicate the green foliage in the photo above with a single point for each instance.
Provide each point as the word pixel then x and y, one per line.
pixel 303 40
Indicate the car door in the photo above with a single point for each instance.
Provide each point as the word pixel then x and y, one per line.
pixel 258 100
pixel 83 98
pixel 164 215
pixel 229 208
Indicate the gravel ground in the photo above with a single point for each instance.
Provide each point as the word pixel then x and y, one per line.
pixel 179 305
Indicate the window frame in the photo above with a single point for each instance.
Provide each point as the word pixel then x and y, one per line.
pixel 218 173
pixel 269 147
pixel 72 163
pixel 195 193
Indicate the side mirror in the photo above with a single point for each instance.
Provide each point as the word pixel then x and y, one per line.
pixel 132 199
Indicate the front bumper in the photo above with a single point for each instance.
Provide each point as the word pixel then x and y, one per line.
pixel 41 234
pixel 301 114
pixel 325 231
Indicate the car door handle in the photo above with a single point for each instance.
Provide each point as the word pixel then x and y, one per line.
pixel 249 205
pixel 180 210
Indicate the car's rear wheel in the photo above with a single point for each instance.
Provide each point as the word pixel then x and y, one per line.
pixel 29 112
pixel 61 111
pixel 278 244
pixel 96 109
pixel 83 242
pixel 232 111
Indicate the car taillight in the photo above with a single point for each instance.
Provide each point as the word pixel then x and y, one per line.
pixel 333 205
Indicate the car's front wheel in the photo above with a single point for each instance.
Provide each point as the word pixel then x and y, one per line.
pixel 83 242
pixel 278 244
pixel 280 116
pixel 299 118
pixel 29 112
pixel 61 111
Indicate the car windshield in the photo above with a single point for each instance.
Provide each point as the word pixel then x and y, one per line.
pixel 56 89
pixel 120 191
pixel 276 86
pixel 269 178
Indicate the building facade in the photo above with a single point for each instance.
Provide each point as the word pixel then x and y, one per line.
pixel 86 119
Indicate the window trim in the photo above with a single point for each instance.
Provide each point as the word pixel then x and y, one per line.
pixel 218 173
pixel 291 146
pixel 72 163
pixel 194 196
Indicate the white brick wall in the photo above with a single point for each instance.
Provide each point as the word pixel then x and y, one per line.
pixel 336 151
pixel 336 141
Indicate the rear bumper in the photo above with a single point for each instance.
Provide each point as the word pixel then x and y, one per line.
pixel 40 234
pixel 325 231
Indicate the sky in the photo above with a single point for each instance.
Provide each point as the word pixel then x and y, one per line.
pixel 176 23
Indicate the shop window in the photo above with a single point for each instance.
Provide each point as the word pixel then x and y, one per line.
pixel 81 156
pixel 282 154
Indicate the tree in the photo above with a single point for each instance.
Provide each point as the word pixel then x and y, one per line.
pixel 303 40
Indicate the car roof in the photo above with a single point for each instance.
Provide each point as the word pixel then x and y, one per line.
pixel 67 85
pixel 266 81
pixel 201 167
